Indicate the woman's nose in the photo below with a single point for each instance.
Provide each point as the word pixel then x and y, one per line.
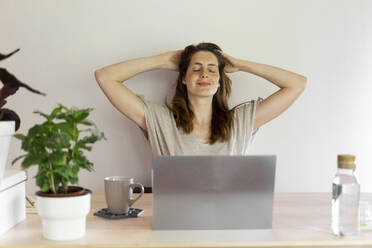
pixel 203 74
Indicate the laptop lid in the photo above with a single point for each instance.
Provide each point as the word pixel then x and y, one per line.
pixel 213 192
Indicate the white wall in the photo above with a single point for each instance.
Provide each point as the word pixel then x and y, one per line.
pixel 63 42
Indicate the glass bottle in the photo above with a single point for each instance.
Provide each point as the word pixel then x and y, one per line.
pixel 345 198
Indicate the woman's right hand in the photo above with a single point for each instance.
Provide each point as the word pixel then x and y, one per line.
pixel 171 59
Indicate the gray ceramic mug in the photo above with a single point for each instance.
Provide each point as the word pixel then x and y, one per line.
pixel 118 193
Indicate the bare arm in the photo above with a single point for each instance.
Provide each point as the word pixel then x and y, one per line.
pixel 291 86
pixel 110 79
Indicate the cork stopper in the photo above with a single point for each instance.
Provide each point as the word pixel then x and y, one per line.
pixel 346 161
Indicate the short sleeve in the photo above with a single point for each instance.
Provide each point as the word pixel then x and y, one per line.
pixel 155 115
pixel 146 106
pixel 245 115
pixel 158 124
pixel 256 104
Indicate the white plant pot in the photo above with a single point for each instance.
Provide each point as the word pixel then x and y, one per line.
pixel 7 129
pixel 63 218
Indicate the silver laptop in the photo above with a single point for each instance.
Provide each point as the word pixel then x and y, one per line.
pixel 213 192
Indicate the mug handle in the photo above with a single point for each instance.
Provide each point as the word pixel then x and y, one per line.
pixel 135 185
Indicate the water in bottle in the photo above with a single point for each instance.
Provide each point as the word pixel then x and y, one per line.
pixel 345 198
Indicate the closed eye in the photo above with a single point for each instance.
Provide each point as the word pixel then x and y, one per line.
pixel 199 70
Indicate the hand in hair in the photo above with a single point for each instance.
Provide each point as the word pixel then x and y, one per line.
pixel 171 59
pixel 232 64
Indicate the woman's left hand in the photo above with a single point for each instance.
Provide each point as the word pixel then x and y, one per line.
pixel 232 64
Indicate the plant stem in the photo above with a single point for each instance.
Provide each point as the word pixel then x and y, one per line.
pixel 65 188
pixel 52 183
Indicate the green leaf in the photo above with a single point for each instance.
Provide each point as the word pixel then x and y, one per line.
pixel 86 164
pixel 57 159
pixel 63 171
pixel 64 107
pixel 39 179
pixel 67 128
pixel 31 159
pixel 74 180
pixel 75 169
pixel 42 181
pixel 55 111
pixel 35 130
pixel 87 123
pixel 57 140
pixel 91 139
pixel 42 114
pixel 88 148
pixel 82 145
pixel 45 186
pixel 80 115
pixel 74 174
pixel 19 136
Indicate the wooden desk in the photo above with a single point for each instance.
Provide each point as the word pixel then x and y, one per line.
pixel 299 220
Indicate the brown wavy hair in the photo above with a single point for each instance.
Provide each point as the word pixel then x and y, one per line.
pixel 222 116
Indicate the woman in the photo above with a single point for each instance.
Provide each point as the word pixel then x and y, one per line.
pixel 199 122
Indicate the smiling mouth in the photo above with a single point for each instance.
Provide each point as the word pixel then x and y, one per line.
pixel 204 84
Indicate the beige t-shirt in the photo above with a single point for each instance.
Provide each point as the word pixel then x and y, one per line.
pixel 167 140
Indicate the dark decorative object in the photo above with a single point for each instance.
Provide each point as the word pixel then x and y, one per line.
pixel 133 213
pixel 11 85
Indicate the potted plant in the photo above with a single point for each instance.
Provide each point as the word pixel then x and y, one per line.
pixel 56 147
pixel 9 120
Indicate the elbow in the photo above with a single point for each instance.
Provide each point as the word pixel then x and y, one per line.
pixel 303 81
pixel 98 75
pixel 300 84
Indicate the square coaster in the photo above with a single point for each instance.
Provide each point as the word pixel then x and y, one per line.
pixel 132 213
